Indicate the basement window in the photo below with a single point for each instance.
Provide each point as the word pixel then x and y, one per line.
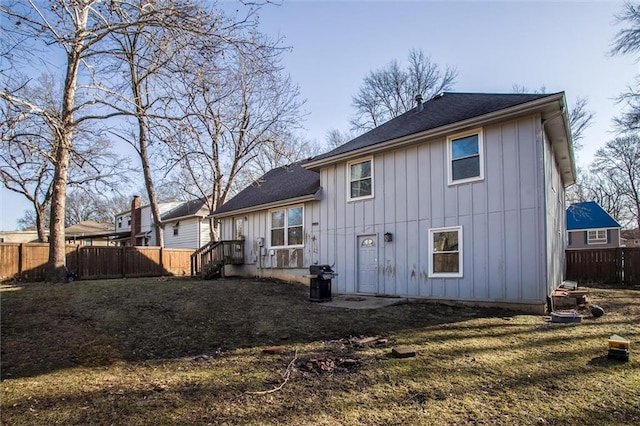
pixel 445 247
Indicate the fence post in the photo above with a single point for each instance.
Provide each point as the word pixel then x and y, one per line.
pixel 78 261
pixel 122 254
pixel 20 259
pixel 161 261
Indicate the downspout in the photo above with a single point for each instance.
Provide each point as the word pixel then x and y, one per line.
pixel 549 299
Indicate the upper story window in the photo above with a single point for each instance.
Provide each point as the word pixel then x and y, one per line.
pixel 465 157
pixel 129 220
pixel 120 222
pixel 286 227
pixel 176 228
pixel 597 236
pixel 445 246
pixel 360 179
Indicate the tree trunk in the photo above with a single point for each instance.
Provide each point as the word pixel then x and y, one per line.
pixel 40 227
pixel 57 253
pixel 64 137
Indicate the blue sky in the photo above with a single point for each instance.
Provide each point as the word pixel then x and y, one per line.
pixel 559 45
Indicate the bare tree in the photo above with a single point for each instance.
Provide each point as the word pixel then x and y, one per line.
pixel 238 109
pixel 27 153
pixel 627 42
pixel 336 137
pixel 391 90
pixel 580 118
pixel 596 185
pixel 619 163
pixel 77 29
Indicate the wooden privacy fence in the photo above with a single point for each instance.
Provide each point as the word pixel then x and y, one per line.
pixel 28 261
pixel 607 266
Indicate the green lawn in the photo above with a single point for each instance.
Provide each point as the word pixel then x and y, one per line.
pixel 181 351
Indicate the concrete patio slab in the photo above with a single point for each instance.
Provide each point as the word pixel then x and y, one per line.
pixel 350 301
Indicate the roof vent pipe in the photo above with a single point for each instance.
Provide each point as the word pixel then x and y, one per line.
pixel 419 107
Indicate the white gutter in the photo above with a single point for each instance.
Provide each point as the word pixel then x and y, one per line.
pixel 502 114
pixel 594 229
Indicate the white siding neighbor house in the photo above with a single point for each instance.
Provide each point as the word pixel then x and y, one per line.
pixel 460 199
pixel 141 219
pixel 187 225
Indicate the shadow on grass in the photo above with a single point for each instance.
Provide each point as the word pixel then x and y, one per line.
pixel 48 327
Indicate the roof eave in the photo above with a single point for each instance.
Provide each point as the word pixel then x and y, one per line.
pixel 536 105
pixel 304 198
pixel 590 228
pixel 189 216
pixel 560 136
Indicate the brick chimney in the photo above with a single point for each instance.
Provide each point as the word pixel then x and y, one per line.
pixel 136 216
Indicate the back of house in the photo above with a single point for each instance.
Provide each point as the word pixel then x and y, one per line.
pixel 460 199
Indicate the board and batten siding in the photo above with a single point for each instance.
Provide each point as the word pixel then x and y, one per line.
pixel 282 263
pixel 502 219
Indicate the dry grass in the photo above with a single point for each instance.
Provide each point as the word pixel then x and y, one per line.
pixel 152 351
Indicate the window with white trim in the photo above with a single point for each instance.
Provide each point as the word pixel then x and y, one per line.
pixel 286 227
pixel 360 179
pixel 445 248
pixel 176 229
pixel 238 225
pixel 597 236
pixel 465 154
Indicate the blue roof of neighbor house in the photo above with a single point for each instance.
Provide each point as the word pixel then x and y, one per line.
pixel 589 215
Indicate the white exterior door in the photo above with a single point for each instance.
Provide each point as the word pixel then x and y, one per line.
pixel 367 264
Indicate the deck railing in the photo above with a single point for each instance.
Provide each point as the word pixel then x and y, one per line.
pixel 214 255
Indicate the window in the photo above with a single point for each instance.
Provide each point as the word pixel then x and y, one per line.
pixel 445 247
pixel 368 242
pixel 286 227
pixel 360 179
pixel 465 153
pixel 129 220
pixel 120 222
pixel 238 224
pixel 597 236
pixel 176 228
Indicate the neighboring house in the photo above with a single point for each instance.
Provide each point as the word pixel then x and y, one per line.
pixel 589 226
pixel 136 225
pixel 630 237
pixel 89 233
pixel 460 199
pixel 26 236
pixel 187 225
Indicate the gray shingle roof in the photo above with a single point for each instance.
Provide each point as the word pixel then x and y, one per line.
pixel 186 209
pixel 294 181
pixel 447 108
pixel 282 183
